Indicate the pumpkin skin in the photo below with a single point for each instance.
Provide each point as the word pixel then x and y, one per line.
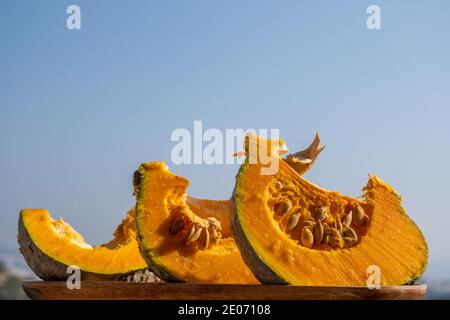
pixel 389 240
pixel 49 246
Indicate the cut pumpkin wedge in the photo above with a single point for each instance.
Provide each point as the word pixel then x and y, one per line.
pixel 51 246
pixel 165 221
pixel 291 231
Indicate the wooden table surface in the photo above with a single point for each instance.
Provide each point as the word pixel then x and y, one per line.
pixel 57 290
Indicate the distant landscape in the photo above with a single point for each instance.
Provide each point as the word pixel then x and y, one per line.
pixel 13 270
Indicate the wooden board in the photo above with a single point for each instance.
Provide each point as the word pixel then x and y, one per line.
pixel 56 290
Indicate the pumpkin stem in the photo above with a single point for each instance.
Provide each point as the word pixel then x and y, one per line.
pixel 309 155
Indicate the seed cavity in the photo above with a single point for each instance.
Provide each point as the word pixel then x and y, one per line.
pixel 316 222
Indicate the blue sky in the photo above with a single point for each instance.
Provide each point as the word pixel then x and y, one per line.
pixel 79 110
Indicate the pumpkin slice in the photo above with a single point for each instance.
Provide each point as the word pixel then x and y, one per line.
pixel 178 244
pixel 49 246
pixel 292 231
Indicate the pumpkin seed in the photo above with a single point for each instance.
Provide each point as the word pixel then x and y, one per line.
pixel 347 220
pixel 292 221
pixel 214 224
pixel 205 240
pixel 348 242
pixel 358 216
pixel 278 185
pixel 307 238
pixel 350 233
pixel 283 207
pixel 335 238
pixel 339 226
pixel 177 226
pixel 335 232
pixel 189 234
pixel 320 214
pixel 214 236
pixel 326 239
pixel 318 233
pixel 197 234
pixel 194 237
pixel 334 225
pixel 326 227
pixel 307 223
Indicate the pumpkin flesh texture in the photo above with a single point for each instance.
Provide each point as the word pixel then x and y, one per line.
pixel 390 240
pixel 50 246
